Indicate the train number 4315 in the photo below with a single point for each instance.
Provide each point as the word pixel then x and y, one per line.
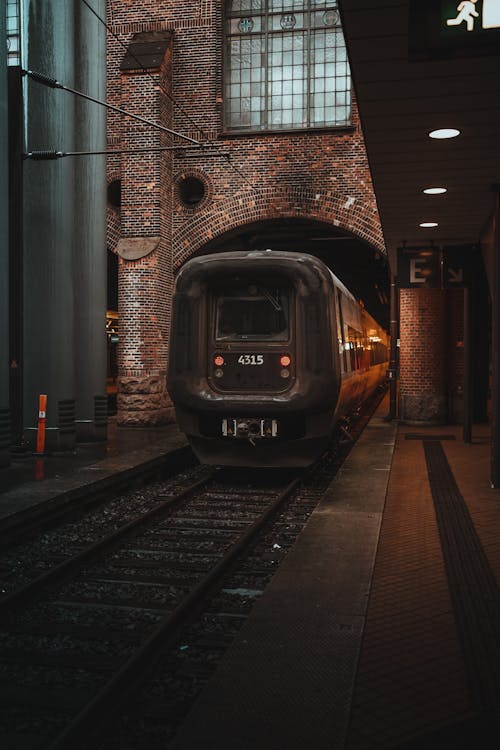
pixel 251 359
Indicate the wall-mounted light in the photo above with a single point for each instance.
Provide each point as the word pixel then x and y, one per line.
pixel 444 133
pixel 435 190
pixel 428 224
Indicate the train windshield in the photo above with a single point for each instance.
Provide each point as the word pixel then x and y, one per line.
pixel 252 312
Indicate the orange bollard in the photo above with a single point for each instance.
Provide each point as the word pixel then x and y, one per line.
pixel 42 419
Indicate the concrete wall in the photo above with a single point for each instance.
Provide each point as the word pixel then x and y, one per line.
pixel 64 250
pixel 4 252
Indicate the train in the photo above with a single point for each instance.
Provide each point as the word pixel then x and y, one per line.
pixel 269 352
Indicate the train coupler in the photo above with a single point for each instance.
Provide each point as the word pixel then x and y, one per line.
pixel 250 428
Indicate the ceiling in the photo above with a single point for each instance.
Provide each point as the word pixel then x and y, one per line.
pixel 401 101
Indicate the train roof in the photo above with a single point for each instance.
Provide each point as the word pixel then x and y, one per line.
pixel 194 268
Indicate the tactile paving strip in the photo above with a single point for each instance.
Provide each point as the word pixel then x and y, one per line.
pixel 473 588
pixel 421 436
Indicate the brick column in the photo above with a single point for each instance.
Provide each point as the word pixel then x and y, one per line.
pixel 145 247
pixel 422 393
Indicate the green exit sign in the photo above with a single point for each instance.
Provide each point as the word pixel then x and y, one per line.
pixel 453 28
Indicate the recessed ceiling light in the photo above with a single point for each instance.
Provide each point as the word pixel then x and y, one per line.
pixel 444 133
pixel 435 191
pixel 428 224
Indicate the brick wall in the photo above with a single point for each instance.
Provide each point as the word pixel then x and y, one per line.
pixel 321 175
pixel 431 355
pixel 422 392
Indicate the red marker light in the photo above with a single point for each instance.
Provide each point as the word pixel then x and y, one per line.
pixel 285 360
pixel 218 361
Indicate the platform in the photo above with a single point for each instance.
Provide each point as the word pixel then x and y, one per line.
pixel 381 627
pixel 31 481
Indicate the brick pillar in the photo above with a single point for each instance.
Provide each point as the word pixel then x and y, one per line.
pixel 145 247
pixel 422 393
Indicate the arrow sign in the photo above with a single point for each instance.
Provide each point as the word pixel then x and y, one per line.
pixel 455 276
pixel 456 264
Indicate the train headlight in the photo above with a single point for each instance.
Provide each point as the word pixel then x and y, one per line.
pixel 218 372
pixel 285 361
pixel 285 373
pixel 218 361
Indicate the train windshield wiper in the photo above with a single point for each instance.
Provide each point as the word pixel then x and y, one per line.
pixel 274 302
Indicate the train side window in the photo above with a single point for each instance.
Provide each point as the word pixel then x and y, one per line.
pixel 340 333
pixel 355 348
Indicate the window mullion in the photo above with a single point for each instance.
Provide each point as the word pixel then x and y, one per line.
pixel 307 77
pixel 265 64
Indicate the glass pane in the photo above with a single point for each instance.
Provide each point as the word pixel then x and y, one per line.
pixel 327 18
pixel 255 119
pixel 245 25
pixel 283 5
pixel 299 117
pixel 255 312
pixel 286 21
pixel 245 6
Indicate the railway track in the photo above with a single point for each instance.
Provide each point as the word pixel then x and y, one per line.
pixel 96 620
pixel 170 586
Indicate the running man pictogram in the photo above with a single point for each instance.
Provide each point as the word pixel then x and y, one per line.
pixel 466 12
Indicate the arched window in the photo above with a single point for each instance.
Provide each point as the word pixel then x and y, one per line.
pixel 285 66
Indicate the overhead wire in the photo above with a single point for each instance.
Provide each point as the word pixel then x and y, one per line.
pixel 51 154
pixel 46 80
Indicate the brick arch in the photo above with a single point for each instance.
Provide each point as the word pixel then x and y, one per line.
pixel 346 212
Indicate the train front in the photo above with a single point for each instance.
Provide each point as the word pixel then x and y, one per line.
pixel 253 366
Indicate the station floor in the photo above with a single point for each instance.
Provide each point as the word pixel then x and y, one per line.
pixel 381 628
